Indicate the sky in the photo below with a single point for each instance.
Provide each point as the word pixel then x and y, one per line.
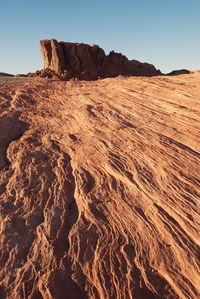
pixel 165 33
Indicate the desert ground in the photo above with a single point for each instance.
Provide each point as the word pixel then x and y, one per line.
pixel 100 188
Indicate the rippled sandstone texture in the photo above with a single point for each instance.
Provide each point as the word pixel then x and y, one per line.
pixel 87 62
pixel 99 188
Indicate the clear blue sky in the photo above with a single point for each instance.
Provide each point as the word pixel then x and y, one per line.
pixel 165 33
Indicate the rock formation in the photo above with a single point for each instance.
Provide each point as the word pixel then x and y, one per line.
pixel 5 75
pixel 100 188
pixel 179 72
pixel 87 62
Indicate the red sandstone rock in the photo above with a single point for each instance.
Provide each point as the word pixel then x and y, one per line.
pixel 89 62
pixel 99 188
pixel 52 55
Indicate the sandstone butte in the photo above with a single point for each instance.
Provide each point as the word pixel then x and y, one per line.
pixel 85 62
pixel 100 188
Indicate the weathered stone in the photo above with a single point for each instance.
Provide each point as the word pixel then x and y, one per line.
pixel 87 62
pixel 52 55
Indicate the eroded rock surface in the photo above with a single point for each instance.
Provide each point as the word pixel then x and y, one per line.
pixel 89 62
pixel 100 188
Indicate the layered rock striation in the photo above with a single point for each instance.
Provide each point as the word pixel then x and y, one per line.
pixel 100 188
pixel 87 62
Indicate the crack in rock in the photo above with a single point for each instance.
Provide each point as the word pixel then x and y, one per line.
pixel 11 129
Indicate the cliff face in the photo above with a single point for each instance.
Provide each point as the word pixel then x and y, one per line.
pixel 90 62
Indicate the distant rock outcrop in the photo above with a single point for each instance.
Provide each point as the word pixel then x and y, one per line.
pixel 5 75
pixel 82 61
pixel 178 72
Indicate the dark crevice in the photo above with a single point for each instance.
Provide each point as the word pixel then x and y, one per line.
pixel 88 181
pixel 11 129
pixel 66 287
